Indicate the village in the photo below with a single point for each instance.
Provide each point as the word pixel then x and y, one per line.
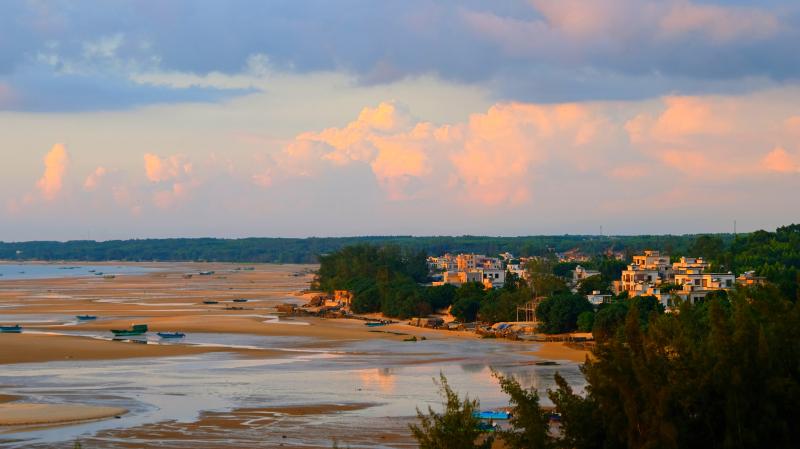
pixel 650 274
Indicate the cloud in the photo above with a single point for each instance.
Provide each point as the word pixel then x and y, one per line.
pixel 55 165
pixel 490 159
pixel 160 169
pixel 94 179
pixel 65 58
pixel 779 160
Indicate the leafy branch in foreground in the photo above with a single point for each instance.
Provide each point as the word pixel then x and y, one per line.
pixel 455 428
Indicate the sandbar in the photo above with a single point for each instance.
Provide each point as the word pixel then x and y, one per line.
pixel 27 414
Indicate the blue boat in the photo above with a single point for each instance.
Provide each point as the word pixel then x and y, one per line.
pixel 171 334
pixel 374 324
pixel 492 414
pixel 15 329
pixel 85 317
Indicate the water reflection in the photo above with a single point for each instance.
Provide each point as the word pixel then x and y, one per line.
pixel 387 374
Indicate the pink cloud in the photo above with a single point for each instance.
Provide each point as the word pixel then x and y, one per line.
pixel 167 199
pixel 160 169
pixel 489 160
pixel 611 25
pixel 55 165
pixel 779 160
pixel 95 178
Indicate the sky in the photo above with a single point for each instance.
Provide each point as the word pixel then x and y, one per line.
pixel 188 118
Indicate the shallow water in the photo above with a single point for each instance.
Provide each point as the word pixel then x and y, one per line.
pixel 381 372
pixel 49 271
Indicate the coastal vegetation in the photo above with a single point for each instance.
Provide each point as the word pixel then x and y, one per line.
pixel 392 281
pixel 721 373
pixel 307 250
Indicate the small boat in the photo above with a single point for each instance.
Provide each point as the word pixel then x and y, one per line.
pixel 234 308
pixel 375 323
pixel 210 301
pixel 171 334
pixel 136 329
pixel 239 300
pixel 205 273
pixel 109 276
pixel 86 317
pixel 15 329
pixel 492 414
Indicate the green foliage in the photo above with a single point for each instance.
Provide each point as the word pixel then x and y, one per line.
pixel 708 247
pixel 581 419
pixel 775 255
pixel 721 374
pixel 586 321
pixel 544 284
pixel 610 317
pixel 559 313
pixel 291 250
pixel 455 428
pixel 441 297
pixel 468 301
pixel 564 269
pixel 501 305
pixel 610 269
pixel 382 279
pixel 592 283
pixel 529 423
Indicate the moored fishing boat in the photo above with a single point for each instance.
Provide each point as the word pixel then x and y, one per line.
pixel 86 317
pixel 492 414
pixel 15 329
pixel 171 334
pixel 136 329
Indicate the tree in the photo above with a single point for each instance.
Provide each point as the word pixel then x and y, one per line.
pixel 455 428
pixel 592 283
pixel 708 247
pixel 468 301
pixel 530 425
pixel 544 284
pixel 581 420
pixel 559 313
pixel 586 321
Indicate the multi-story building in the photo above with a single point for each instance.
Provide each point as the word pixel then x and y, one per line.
pixel 649 272
pixel 446 262
pixel 464 268
pixel 654 260
pixel 493 277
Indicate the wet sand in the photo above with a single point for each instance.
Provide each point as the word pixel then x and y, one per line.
pixel 35 348
pixel 267 427
pixel 26 414
pixel 558 351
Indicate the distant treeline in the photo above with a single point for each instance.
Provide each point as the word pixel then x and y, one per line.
pixel 307 250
